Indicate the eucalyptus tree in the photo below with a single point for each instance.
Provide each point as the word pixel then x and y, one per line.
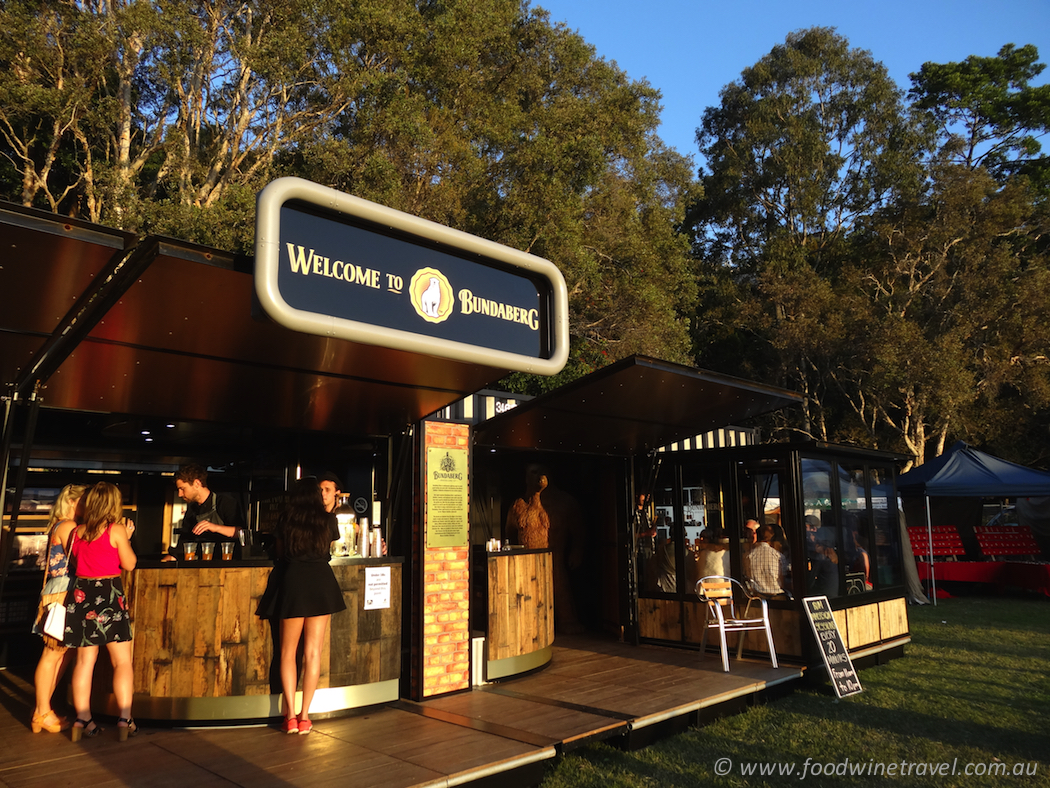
pixel 169 115
pixel 177 104
pixel 52 68
pixel 951 294
pixel 987 113
pixel 858 251
pixel 809 140
pixel 482 115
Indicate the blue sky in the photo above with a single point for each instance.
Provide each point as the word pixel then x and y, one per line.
pixel 690 49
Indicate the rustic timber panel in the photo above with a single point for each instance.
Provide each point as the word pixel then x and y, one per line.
pixel 694 612
pixel 893 618
pixel 863 625
pixel 365 645
pixel 661 618
pixel 197 635
pixel 784 623
pixel 521 604
pixel 840 622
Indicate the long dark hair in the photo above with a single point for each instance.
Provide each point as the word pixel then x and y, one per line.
pixel 304 523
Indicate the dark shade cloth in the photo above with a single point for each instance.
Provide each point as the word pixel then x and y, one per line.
pixel 965 471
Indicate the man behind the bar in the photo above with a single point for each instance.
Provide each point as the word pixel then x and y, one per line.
pixel 331 489
pixel 210 517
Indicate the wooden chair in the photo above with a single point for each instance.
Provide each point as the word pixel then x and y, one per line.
pixel 719 595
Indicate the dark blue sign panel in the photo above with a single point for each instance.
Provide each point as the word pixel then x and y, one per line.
pixel 331 264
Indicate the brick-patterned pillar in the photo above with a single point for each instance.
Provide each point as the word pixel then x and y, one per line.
pixel 446 571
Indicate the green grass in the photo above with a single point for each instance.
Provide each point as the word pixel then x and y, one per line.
pixel 972 688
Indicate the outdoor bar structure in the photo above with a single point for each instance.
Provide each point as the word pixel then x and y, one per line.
pixel 364 342
pixel 629 432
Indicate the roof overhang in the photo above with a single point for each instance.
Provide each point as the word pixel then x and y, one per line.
pixel 178 339
pixel 631 407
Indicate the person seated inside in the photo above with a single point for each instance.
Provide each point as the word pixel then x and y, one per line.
pixel 713 556
pixel 768 565
pixel 822 561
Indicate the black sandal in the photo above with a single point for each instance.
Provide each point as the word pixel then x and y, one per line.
pixel 83 730
pixel 130 729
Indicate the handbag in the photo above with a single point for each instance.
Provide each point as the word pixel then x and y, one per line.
pixel 55 623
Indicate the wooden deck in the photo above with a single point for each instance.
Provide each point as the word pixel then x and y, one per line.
pixel 501 734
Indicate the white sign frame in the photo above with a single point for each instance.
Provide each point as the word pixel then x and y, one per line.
pixel 267 264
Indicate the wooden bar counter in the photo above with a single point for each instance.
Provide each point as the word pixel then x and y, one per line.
pixel 520 604
pixel 202 655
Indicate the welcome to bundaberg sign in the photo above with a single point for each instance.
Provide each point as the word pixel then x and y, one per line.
pixel 332 264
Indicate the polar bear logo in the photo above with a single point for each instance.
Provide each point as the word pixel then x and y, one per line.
pixel 430 301
pixel 432 295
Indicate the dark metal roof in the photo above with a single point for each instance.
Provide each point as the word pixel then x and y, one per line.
pixel 177 339
pixel 630 407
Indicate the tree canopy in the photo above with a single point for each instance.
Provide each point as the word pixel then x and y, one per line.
pixel 168 116
pixel 860 250
pixel 882 252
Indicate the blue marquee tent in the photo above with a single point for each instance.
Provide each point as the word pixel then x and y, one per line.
pixel 965 471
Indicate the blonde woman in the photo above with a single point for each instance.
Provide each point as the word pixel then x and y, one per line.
pixel 56 582
pixel 97 612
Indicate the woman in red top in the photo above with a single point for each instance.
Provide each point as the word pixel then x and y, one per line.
pixel 97 611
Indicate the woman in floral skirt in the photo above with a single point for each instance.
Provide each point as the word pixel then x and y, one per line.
pixel 96 609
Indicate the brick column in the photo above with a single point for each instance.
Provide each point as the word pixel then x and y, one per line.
pixel 446 592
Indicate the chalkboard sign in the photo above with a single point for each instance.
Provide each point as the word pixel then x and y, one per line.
pixel 836 659
pixel 267 510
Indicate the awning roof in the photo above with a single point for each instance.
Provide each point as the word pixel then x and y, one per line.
pixel 964 471
pixel 177 340
pixel 630 407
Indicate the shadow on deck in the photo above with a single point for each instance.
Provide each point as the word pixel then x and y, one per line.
pixel 506 733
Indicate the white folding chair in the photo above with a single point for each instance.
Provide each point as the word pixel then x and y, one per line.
pixel 719 595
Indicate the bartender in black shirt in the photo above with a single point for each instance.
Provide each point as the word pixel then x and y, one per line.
pixel 210 517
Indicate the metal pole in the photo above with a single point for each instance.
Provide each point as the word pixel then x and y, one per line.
pixel 929 544
pixel 5 458
pixel 7 544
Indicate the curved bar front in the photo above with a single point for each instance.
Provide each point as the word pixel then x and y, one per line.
pixel 520 592
pixel 202 655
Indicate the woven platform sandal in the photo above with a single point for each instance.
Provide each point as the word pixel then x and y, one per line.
pixel 129 728
pixel 81 729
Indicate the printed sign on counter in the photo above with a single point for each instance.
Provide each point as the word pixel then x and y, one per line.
pixel 377 587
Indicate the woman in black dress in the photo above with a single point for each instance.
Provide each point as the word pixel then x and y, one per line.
pixel 306 594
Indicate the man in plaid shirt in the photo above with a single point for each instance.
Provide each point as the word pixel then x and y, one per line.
pixel 768 565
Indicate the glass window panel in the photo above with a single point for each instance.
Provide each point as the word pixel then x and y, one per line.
pixel 767 567
pixel 856 529
pixel 887 538
pixel 657 554
pixel 822 529
pixel 707 550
